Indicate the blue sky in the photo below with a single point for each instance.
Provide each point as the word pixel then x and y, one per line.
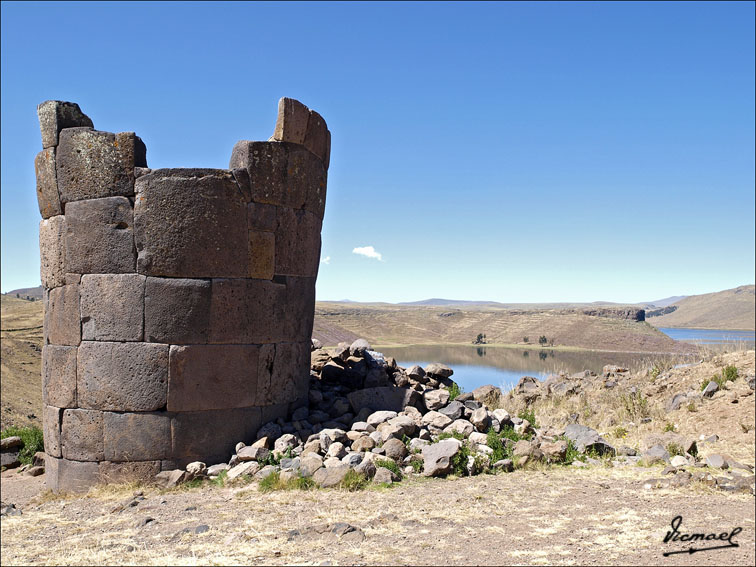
pixel 515 152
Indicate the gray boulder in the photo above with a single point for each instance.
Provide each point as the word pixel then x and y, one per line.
pixel 440 370
pixel 587 439
pixel 437 457
pixel 454 410
pixel 330 476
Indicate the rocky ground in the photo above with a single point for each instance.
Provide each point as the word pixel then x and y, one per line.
pixel 577 469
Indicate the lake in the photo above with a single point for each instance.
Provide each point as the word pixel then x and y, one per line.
pixel 502 366
pixel 712 336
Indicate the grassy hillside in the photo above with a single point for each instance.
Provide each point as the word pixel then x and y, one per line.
pixel 729 309
pixel 21 342
pixel 401 325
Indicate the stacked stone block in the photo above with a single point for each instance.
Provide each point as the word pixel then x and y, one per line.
pixel 179 303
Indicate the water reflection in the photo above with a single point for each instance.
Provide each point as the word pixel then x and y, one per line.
pixel 475 366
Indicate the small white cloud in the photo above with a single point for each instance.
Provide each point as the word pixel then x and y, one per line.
pixel 326 260
pixel 369 252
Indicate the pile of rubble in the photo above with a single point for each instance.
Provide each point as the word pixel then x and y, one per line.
pixel 370 415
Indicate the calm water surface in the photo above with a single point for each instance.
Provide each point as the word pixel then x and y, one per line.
pixel 711 336
pixel 479 365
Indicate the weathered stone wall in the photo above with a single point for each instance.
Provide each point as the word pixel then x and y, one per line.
pixel 179 303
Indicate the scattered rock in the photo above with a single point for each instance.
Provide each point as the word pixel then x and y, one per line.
pixel 437 457
pixel 327 477
pixel 169 479
pixel 716 462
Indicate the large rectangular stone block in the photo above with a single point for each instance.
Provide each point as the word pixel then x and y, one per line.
pixel 177 310
pixel 244 311
pixel 81 435
pixel 59 376
pixel 291 124
pixel 316 139
pixel 137 436
pixel 52 251
pixel 62 320
pixel 93 164
pixel 54 115
pixel 211 435
pixel 206 377
pixel 307 179
pixel 118 473
pixel 99 236
pixel 112 307
pixel 51 418
pixel 297 243
pixel 47 184
pixel 283 373
pixel 282 174
pixel 261 216
pixel 191 223
pixel 266 163
pixel 262 254
pixel 290 375
pixel 300 308
pixel 62 475
pixel 122 376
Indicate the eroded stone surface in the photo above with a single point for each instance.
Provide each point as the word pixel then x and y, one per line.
pixel 208 377
pixel 47 184
pixel 122 376
pixel 136 436
pixel 59 376
pixel 52 251
pixel 112 307
pixel 62 320
pixel 207 233
pixel 81 435
pixel 99 236
pixel 54 115
pixel 91 164
pixel 177 310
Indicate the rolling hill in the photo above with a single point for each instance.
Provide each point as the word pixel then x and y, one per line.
pixel 730 309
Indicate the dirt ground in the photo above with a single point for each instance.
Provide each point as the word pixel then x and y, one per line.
pixel 554 516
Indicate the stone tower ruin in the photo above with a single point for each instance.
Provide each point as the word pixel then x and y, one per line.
pixel 178 303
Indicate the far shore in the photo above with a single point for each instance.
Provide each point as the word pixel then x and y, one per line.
pixel 529 346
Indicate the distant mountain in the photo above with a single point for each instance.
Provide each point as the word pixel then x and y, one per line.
pixel 444 302
pixel 27 292
pixel 667 301
pixel 729 309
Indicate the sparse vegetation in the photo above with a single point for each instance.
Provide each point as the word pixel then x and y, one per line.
pixel 620 432
pixel 528 414
pixel 459 461
pixel 674 449
pixel 32 438
pixel 635 405
pixel 455 391
pixel 668 427
pixel 542 340
pixel 352 482
pixel 390 465
pixel 729 374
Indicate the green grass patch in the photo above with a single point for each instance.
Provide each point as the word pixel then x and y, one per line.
pixel 390 465
pixel 32 438
pixel 729 374
pixel 669 427
pixel 459 461
pixel 354 481
pixel 455 391
pixel 220 480
pixel 528 414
